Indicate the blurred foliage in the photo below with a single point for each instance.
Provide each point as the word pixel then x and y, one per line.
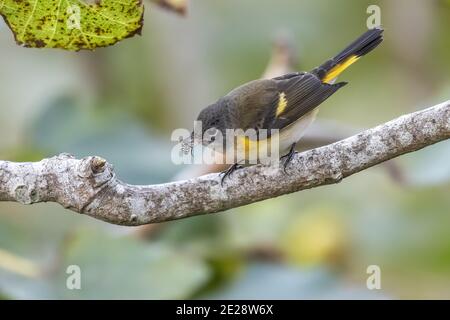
pixel 102 268
pixel 284 282
pixel 122 103
pixel 179 6
pixel 102 132
pixel 158 271
pixel 314 238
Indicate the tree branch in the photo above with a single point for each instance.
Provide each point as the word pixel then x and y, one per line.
pixel 90 186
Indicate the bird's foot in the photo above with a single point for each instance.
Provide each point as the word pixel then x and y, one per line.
pixel 229 171
pixel 288 157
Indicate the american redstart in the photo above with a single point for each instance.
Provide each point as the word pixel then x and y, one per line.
pixel 286 105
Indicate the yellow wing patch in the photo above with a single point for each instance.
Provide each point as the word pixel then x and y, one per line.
pixel 282 104
pixel 335 71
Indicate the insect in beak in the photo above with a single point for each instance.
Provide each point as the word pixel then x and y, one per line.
pixel 187 145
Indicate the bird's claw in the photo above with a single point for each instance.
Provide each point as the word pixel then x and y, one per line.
pixel 228 172
pixel 288 157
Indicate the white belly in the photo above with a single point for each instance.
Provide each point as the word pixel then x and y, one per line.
pixel 295 131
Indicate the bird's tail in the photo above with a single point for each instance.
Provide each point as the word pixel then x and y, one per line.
pixel 329 71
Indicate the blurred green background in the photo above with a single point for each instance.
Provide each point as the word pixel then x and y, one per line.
pixel 123 102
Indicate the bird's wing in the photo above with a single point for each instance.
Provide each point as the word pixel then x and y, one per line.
pixel 296 97
pixel 278 102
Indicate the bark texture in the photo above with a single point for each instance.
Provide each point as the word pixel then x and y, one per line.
pixel 89 185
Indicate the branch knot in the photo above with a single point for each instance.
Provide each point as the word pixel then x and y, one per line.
pixel 96 169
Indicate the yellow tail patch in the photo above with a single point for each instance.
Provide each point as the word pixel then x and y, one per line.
pixel 335 71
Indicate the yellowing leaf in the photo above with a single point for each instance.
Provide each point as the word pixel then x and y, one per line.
pixel 72 24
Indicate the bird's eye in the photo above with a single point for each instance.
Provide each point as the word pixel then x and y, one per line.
pixel 212 134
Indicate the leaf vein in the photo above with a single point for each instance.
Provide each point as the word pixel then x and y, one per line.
pixel 29 18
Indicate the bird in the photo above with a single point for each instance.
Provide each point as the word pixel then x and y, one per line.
pixel 278 109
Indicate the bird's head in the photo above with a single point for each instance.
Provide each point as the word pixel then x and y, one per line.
pixel 209 128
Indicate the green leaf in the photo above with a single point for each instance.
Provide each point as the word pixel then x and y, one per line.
pixel 72 24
